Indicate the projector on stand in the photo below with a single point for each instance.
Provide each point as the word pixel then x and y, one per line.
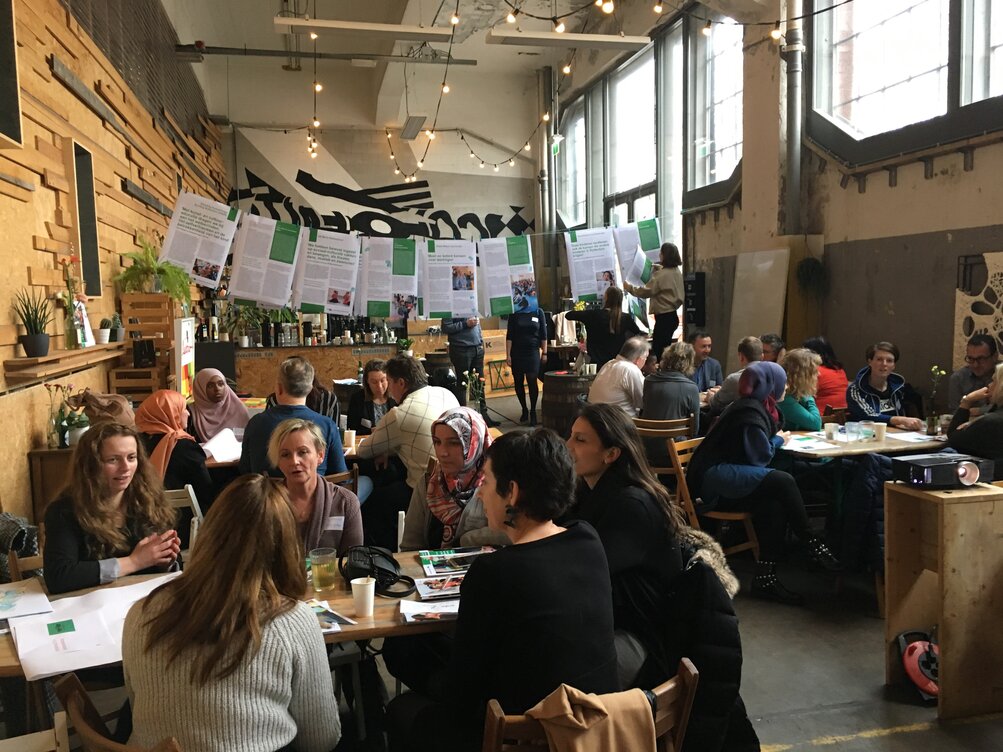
pixel 942 470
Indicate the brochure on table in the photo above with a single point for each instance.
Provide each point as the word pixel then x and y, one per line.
pixel 449 280
pixel 224 446
pixel 80 632
pixel 437 588
pixel 592 263
pixel 23 598
pixel 389 278
pixel 416 612
pixel 449 561
pixel 507 275
pixel 327 268
pixel 199 236
pixel 264 260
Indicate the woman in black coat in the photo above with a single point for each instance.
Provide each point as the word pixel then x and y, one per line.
pixel 525 347
pixel 606 328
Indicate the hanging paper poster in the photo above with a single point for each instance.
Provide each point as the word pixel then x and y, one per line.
pixel 391 278
pixel 362 280
pixel 592 263
pixel 508 276
pixel 264 260
pixel 450 289
pixel 644 235
pixel 198 239
pixel 327 268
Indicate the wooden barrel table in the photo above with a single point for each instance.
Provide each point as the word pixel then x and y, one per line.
pixel 560 399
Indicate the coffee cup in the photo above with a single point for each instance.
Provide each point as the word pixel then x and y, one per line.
pixel 363 595
pixel 879 431
pixel 349 438
pixel 831 429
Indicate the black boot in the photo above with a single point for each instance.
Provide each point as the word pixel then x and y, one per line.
pixel 532 417
pixel 765 585
pixel 822 556
pixel 525 415
pixel 487 419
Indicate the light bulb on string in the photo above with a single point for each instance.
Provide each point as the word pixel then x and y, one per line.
pixel 318 86
pixel 392 155
pixel 658 8
pixel 316 123
pixel 482 164
pixel 707 29
pixel 421 163
pixel 397 171
pixel 388 134
pixel 431 135
pixel 454 19
pixel 559 26
pixel 511 16
pixel 472 155
pixel 496 168
pixel 527 147
pixel 599 3
pixel 511 163
pixel 775 33
pixel 566 70
pixel 607 7
pixel 313 35
pixel 313 155
pixel 546 117
pixel 445 88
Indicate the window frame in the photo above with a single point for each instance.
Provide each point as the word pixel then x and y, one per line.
pixel 578 107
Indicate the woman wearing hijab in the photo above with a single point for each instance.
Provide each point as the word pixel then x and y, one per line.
pixel 730 472
pixel 174 453
pixel 447 512
pixel 216 406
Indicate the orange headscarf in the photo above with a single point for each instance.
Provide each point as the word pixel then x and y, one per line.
pixel 161 413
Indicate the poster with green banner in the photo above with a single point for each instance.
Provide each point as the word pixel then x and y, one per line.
pixel 637 248
pixel 449 278
pixel 198 239
pixel 592 264
pixel 264 260
pixel 327 268
pixel 388 278
pixel 507 275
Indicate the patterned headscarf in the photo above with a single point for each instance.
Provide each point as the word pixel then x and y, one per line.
pixel 448 495
pixel 162 412
pixel 764 382
pixel 212 417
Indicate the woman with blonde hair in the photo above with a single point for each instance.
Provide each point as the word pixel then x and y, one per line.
pixel 326 514
pixel 112 519
pixel 228 647
pixel 798 407
pixel 606 328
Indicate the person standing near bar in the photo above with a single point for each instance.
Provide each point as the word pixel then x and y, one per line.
pixel 666 291
pixel 466 353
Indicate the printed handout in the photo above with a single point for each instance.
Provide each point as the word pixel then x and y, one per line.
pixel 327 269
pixel 264 260
pixel 199 236
pixel 592 263
pixel 507 275
pixel 449 278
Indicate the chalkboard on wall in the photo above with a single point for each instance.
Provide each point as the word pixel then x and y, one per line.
pixel 10 89
pixel 85 222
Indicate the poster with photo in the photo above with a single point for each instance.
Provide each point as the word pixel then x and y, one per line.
pixel 508 276
pixel 199 236
pixel 592 263
pixel 645 236
pixel 264 260
pixel 450 278
pixel 327 269
pixel 390 278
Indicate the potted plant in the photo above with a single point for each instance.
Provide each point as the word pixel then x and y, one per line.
pixel 102 335
pixel 32 308
pixel 148 273
pixel 404 345
pixel 76 424
pixel 240 319
pixel 117 330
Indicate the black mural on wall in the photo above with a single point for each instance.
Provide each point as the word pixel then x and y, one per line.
pixel 378 209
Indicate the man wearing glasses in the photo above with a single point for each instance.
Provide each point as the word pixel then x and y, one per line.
pixel 981 356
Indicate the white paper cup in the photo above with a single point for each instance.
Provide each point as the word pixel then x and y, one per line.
pixel 831 429
pixel 363 594
pixel 349 438
pixel 879 431
pixel 552 343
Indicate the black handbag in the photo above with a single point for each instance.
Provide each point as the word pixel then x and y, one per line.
pixel 380 564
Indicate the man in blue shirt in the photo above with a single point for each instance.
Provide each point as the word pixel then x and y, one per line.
pixel 295 380
pixel 708 373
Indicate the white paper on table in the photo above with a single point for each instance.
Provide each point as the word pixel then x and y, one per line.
pixel 23 598
pixel 448 608
pixel 913 437
pixel 807 443
pixel 94 637
pixel 223 447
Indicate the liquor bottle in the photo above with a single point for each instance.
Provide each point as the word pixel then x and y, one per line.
pixel 359 375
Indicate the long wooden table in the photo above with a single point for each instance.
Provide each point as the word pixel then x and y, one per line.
pixel 890 445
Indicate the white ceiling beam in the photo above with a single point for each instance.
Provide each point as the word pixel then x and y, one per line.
pixel 291 25
pixel 553 39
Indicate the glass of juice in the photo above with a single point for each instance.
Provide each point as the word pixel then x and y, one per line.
pixel 324 564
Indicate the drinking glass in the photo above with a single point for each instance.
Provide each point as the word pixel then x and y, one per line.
pixel 867 430
pixel 324 564
pixel 852 432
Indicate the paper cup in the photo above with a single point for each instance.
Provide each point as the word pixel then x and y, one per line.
pixel 349 438
pixel 363 594
pixel 831 429
pixel 879 431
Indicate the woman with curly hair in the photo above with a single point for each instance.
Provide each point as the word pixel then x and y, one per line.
pixel 798 407
pixel 112 519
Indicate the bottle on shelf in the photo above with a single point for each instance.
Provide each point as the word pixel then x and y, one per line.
pixel 359 375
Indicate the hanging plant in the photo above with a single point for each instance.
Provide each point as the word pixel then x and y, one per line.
pixel 813 278
pixel 148 273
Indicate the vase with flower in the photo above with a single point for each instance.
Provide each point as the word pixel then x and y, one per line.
pixel 932 422
pixel 69 297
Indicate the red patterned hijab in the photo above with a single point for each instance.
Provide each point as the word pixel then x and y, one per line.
pixel 447 496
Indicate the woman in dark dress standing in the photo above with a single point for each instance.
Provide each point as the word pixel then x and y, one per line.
pixel 525 347
pixel 606 328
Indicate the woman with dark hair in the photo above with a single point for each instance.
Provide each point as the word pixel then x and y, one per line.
pixel 367 407
pixel 525 347
pixel 666 291
pixel 832 381
pixel 227 656
pixel 549 590
pixel 730 470
pixel 112 519
pixel 606 328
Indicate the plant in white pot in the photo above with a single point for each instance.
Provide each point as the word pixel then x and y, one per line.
pixel 404 346
pixel 32 308
pixel 103 334
pixel 76 424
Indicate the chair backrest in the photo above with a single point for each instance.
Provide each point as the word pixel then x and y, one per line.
pixel 834 415
pixel 680 454
pixel 184 498
pixel 349 479
pixel 55 739
pixel 672 705
pixel 18 565
pixel 678 428
pixel 89 726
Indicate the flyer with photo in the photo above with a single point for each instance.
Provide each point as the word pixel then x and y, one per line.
pixel 390 278
pixel 264 260
pixel 507 275
pixel 327 268
pixel 592 263
pixel 450 278
pixel 645 236
pixel 199 236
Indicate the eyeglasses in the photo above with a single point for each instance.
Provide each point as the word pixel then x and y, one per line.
pixel 977 359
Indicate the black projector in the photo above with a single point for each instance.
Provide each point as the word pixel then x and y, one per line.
pixel 942 470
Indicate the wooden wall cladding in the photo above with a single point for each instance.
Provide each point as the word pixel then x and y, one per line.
pixel 73 101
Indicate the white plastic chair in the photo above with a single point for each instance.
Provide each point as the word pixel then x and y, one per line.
pixel 184 498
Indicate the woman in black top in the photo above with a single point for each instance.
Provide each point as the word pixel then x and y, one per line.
pixel 532 615
pixel 606 328
pixel 525 345
pixel 112 519
pixel 366 408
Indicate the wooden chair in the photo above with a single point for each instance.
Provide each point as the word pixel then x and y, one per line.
pixel 88 724
pixel 673 701
pixel 680 453
pixel 18 565
pixel 668 430
pixel 349 479
pixel 834 415
pixel 55 739
pixel 184 498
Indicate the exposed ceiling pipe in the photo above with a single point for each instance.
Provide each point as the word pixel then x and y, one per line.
pixel 193 53
pixel 793 53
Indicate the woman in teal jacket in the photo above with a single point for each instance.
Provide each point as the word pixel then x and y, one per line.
pixel 798 407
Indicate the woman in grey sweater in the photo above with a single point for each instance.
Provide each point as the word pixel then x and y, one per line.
pixel 226 656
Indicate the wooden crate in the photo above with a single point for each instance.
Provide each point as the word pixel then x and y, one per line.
pixel 151 315
pixel 136 384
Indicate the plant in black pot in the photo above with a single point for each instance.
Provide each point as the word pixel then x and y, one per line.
pixel 117 330
pixel 35 313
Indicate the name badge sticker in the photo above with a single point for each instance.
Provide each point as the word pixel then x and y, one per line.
pixel 335 523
